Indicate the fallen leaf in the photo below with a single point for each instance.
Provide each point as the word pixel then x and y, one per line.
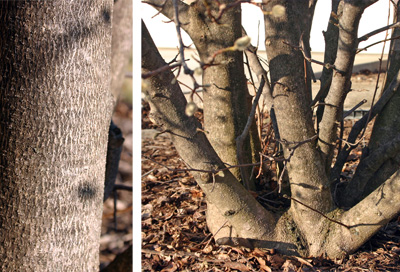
pixel 236 265
pixel 223 256
pixel 196 193
pixel 207 249
pixel 171 267
pixel 263 265
pixel 288 266
pixel 275 260
pixel 258 252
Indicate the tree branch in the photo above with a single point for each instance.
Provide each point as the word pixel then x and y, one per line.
pixel 166 7
pixel 365 170
pixel 340 85
pixel 365 218
pixel 258 69
pixel 240 139
pixel 377 31
pixel 168 105
pixel 360 124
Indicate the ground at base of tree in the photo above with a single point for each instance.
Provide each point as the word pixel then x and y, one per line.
pixel 115 241
pixel 175 235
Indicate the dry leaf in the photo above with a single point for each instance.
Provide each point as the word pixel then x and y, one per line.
pixel 171 267
pixel 288 266
pixel 223 256
pixel 207 249
pixel 258 252
pixel 263 264
pixel 237 266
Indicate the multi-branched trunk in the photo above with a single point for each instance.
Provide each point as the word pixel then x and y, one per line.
pixel 313 225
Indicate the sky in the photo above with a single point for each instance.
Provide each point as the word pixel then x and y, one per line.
pixel 374 17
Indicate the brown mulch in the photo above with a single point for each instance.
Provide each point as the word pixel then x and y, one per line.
pixel 175 235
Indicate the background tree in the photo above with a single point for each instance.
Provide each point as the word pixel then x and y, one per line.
pixel 55 112
pixel 324 216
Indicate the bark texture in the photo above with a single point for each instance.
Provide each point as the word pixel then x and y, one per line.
pixel 55 110
pixel 340 86
pixel 312 225
pixel 308 181
pixel 245 217
pixel 387 124
pixel 121 44
pixel 226 98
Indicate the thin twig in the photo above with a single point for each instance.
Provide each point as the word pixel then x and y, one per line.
pixel 213 235
pixel 309 59
pixel 240 139
pixel 320 213
pixel 376 89
pixel 161 69
pixel 252 112
pixel 347 113
pixel 186 70
pixel 375 43
pixel 291 149
pixel 379 30
pixel 201 170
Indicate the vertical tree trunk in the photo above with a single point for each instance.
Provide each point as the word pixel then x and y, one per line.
pixel 121 43
pixel 292 99
pixel 225 100
pixel 387 124
pixel 55 110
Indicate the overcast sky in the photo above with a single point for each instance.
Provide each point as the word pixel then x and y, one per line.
pixel 374 17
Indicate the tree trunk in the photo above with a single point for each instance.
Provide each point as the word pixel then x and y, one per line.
pixel 228 203
pixel 292 99
pixel 55 111
pixel 121 44
pixel 226 97
pixel 387 124
pixel 312 226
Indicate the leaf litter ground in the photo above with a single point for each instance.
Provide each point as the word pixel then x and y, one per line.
pixel 116 238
